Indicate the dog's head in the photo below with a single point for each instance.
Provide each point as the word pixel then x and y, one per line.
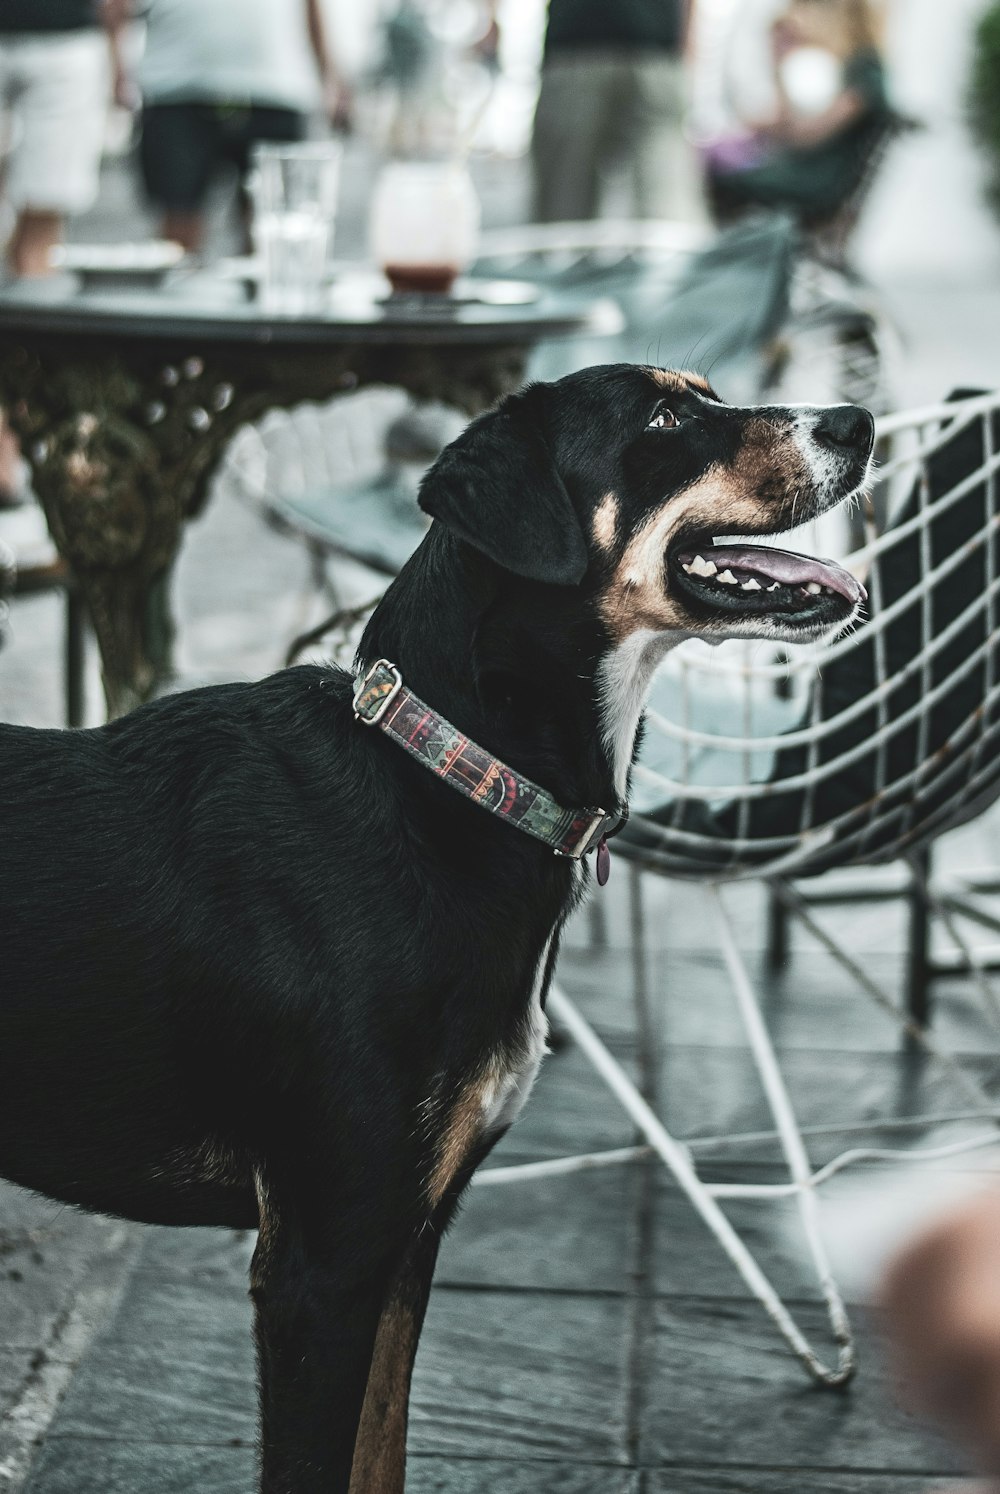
pixel 618 480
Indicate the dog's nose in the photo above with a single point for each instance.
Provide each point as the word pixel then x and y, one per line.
pixel 846 425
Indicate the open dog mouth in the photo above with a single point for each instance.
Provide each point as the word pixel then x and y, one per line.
pixel 756 581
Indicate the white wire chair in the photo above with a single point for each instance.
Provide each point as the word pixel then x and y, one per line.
pixel 860 751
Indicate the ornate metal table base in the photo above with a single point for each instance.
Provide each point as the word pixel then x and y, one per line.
pixel 123 437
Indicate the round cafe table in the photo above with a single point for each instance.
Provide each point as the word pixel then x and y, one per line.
pixel 125 399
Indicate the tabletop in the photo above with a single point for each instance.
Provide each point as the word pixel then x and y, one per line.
pixel 220 304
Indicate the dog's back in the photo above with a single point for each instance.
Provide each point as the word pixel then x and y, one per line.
pixel 158 880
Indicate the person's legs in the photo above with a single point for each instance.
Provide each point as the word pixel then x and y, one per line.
pixel 61 87
pixel 30 246
pixel 664 172
pixel 58 86
pixel 178 155
pixel 569 136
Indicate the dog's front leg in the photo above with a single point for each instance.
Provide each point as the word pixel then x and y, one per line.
pixel 316 1317
pixel 380 1454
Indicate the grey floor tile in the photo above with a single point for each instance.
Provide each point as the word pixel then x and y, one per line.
pixel 84 1465
pixel 716 1092
pixel 811 1004
pixel 71 1465
pixel 46 1249
pixel 722 1388
pixel 514 1375
pixel 176 1365
pixel 211 1255
pixel 804 1481
pixel 475 1476
pixel 572 1233
pixel 15 1366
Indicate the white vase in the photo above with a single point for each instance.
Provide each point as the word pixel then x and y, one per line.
pixel 424 224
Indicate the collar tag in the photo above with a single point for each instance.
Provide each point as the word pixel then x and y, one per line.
pixel 602 861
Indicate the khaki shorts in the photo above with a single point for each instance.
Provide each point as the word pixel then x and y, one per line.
pixel 56 89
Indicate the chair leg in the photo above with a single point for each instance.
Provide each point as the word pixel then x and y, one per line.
pixel 918 962
pixel 777 932
pixel 598 917
pixel 678 1161
pixel 75 656
pixel 637 937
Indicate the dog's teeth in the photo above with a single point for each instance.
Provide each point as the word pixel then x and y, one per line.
pixel 728 579
pixel 814 588
pixel 688 568
pixel 703 567
pixel 752 585
pixel 775 587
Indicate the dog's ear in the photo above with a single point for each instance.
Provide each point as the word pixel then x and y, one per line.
pixel 498 488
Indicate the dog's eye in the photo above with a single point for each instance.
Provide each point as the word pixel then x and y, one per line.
pixel 663 420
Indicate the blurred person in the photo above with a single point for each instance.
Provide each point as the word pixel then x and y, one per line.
pixel 409 68
pixel 613 93
pixel 808 162
pixel 216 78
pixel 54 83
pixel 941 1309
pixel 486 46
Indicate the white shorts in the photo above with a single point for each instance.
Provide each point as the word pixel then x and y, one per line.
pixel 56 89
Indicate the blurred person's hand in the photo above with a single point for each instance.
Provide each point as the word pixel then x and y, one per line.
pixel 338 103
pixel 125 90
pixel 941 1304
pixel 486 47
pixel 115 16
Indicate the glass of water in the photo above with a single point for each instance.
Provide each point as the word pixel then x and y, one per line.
pixel 294 193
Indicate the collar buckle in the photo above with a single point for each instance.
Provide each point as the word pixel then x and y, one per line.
pixel 596 825
pixel 373 698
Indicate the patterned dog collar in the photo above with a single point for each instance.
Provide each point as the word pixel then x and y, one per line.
pixel 381 699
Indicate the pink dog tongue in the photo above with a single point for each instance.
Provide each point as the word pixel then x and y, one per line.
pixel 788 568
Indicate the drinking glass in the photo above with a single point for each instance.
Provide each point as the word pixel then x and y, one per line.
pixel 424 224
pixel 293 189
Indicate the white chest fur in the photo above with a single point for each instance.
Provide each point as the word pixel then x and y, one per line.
pixel 514 1071
pixel 623 683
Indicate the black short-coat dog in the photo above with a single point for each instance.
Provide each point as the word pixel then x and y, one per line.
pixel 259 969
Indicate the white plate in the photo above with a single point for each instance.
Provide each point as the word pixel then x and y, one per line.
pixel 148 261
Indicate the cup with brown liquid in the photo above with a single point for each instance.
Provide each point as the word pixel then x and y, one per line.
pixel 424 225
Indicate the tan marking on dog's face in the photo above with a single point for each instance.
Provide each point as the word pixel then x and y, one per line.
pixel 677 381
pixel 757 493
pixel 770 463
pixel 605 523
